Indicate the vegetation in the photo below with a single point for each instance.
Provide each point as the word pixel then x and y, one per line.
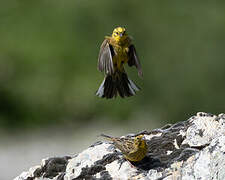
pixel 49 53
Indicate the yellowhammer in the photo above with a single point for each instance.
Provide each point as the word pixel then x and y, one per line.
pixel 132 149
pixel 115 51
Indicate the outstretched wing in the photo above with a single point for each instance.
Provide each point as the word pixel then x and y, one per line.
pixel 133 59
pixel 105 62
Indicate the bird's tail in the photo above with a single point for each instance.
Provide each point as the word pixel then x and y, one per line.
pixel 109 138
pixel 106 136
pixel 118 83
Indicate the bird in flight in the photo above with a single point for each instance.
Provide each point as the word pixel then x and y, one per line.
pixel 115 51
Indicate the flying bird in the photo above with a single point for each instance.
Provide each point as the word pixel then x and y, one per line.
pixel 116 51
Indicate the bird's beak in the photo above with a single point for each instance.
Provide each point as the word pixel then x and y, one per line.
pixel 121 35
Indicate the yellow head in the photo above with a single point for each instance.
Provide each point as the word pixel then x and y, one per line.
pixel 140 142
pixel 119 34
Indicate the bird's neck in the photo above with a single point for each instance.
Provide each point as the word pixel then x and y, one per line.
pixel 124 41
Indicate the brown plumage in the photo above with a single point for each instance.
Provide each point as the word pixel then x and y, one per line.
pixel 132 149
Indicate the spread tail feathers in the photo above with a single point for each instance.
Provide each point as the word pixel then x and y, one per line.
pixel 117 83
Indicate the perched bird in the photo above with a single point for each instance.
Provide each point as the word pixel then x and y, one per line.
pixel 115 51
pixel 133 150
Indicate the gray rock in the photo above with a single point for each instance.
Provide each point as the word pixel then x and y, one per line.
pixel 50 168
pixel 192 149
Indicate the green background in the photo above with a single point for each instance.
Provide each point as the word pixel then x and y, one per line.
pixel 49 51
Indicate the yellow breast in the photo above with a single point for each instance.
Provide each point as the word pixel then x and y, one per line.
pixel 136 156
pixel 121 57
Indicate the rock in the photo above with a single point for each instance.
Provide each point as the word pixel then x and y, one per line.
pixel 50 168
pixel 192 149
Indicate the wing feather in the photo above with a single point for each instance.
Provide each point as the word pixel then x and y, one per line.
pixel 133 59
pixel 105 62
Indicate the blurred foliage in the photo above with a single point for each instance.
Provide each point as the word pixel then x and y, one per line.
pixel 49 50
